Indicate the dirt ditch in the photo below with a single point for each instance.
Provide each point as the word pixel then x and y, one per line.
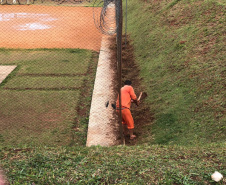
pixel 130 70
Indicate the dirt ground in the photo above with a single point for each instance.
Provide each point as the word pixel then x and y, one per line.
pixel 2 179
pixel 130 71
pixel 39 26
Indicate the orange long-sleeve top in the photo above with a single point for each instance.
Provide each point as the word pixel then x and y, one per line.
pixel 127 93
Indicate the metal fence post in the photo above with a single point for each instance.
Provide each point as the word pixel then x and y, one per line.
pixel 119 60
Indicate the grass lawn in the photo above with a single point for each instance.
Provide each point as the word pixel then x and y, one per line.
pixel 143 164
pixel 22 82
pixel 40 99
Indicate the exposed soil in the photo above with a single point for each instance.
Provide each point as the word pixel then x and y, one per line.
pixel 2 178
pixel 38 26
pixel 130 70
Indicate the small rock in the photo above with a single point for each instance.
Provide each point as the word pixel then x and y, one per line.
pixel 216 176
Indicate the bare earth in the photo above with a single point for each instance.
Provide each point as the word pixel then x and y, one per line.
pixel 26 27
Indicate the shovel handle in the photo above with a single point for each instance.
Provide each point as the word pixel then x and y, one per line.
pixel 139 96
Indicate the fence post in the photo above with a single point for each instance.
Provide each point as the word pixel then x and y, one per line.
pixel 119 60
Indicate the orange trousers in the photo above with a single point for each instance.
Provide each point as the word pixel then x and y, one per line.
pixel 127 118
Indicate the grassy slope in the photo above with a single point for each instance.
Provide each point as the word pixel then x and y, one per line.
pixel 180 47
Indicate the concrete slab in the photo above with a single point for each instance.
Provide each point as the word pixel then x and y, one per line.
pixel 5 71
pixel 102 125
pixel 101 128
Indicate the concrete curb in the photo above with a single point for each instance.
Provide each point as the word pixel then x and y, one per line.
pixel 101 120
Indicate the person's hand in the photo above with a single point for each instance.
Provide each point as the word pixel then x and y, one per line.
pixel 136 102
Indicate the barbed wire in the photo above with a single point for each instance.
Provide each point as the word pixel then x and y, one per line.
pixel 104 19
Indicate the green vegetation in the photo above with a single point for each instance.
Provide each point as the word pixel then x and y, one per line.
pixel 32 118
pixel 43 61
pixel 144 164
pixel 45 82
pixel 40 99
pixel 180 48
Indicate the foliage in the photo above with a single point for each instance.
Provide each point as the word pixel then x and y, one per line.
pixel 179 48
pixel 142 164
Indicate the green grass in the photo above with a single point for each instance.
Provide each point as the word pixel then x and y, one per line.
pixel 47 61
pixel 39 101
pixel 144 164
pixel 35 118
pixel 45 82
pixel 179 46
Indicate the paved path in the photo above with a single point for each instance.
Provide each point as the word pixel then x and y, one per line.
pixel 5 71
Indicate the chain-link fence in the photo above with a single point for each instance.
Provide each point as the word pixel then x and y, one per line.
pixel 49 2
pixel 60 73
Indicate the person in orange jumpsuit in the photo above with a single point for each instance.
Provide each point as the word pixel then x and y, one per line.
pixel 127 96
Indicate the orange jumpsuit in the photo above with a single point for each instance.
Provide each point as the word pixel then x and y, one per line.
pixel 127 94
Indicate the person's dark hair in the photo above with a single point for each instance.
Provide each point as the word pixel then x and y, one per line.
pixel 128 82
